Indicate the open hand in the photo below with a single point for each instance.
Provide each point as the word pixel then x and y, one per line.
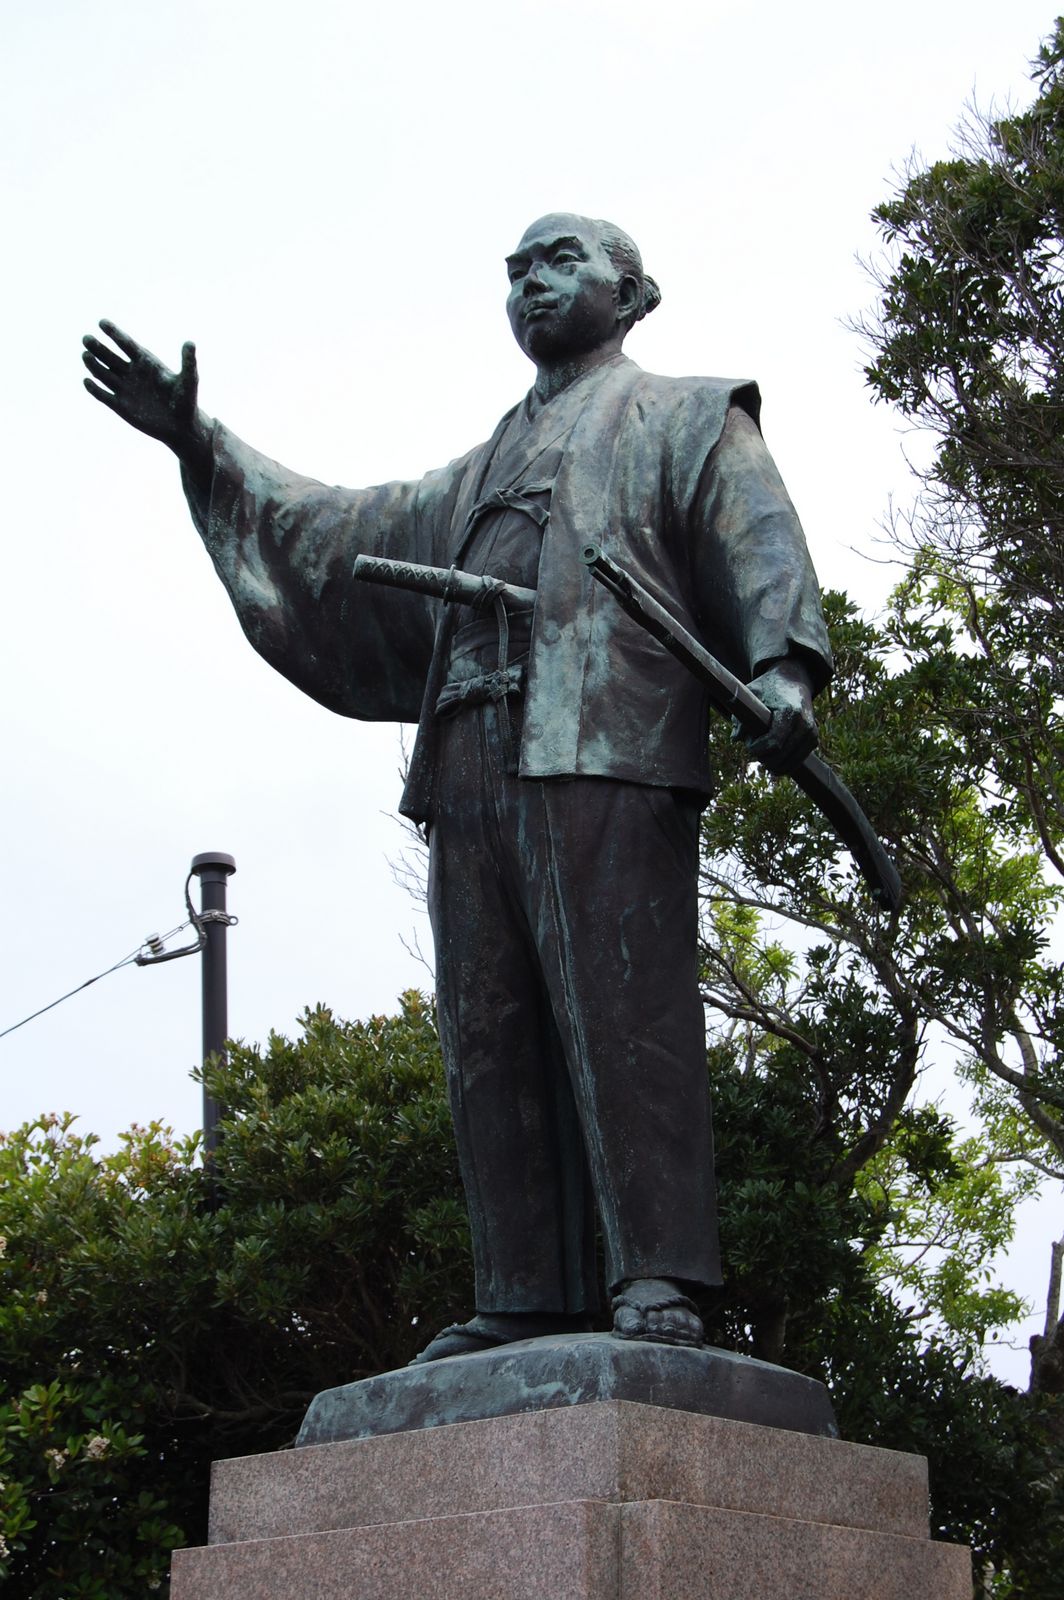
pixel 133 383
pixel 785 687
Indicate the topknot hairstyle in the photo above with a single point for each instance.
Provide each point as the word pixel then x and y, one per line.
pixel 624 253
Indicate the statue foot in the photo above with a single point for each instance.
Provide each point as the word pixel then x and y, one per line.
pixel 657 1310
pixel 490 1328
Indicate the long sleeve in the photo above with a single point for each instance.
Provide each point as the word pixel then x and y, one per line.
pixel 753 577
pixel 284 546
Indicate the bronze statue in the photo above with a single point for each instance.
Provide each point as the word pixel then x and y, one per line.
pixel 561 763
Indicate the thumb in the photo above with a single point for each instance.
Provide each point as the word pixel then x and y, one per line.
pixel 188 380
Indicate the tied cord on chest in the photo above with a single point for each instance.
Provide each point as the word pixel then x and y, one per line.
pixel 538 510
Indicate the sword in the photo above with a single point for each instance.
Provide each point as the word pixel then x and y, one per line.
pixel 727 692
pixel 446 583
pixel 733 698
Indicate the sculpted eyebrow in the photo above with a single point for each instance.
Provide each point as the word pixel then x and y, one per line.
pixel 567 242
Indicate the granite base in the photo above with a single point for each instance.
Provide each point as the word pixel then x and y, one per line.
pixel 609 1500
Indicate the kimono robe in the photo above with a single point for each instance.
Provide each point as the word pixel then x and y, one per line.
pixel 569 1008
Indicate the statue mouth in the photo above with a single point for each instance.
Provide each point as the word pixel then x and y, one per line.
pixel 537 308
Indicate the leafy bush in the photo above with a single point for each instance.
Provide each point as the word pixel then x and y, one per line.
pixel 157 1315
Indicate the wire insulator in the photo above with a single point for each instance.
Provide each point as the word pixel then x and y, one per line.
pixel 154 944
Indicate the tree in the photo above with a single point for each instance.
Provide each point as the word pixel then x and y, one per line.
pixel 968 343
pixel 157 1315
pixel 808 972
pixel 831 1011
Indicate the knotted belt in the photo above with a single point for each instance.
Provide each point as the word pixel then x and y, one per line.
pixel 477 691
pixel 505 678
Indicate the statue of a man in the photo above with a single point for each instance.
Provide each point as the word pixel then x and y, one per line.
pixel 561 762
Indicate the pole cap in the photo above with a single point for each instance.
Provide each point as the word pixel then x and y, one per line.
pixel 212 859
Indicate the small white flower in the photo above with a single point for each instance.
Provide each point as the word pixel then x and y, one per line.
pixel 58 1458
pixel 3 1244
pixel 42 1297
pixel 97 1447
pixel 4 1551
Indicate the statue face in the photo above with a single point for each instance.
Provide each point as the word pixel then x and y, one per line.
pixel 564 289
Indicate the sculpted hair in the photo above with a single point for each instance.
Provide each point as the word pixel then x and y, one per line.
pixel 624 253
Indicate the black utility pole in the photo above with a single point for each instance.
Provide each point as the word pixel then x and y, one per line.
pixel 213 868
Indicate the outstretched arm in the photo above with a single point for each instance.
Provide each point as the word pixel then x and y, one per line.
pixel 134 384
pixel 284 545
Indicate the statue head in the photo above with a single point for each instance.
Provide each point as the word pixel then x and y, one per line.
pixel 576 285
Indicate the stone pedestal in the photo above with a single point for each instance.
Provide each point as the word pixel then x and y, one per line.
pixel 607 1500
pixel 570 1369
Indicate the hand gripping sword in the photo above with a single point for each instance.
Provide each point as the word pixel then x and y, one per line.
pixel 732 697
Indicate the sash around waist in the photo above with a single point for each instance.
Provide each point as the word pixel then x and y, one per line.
pixel 478 672
pixel 474 636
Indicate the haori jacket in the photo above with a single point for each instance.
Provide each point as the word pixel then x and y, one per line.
pixel 669 476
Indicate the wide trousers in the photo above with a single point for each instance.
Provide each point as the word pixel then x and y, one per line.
pixel 564 915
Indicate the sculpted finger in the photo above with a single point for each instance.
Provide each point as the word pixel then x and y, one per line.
pixel 104 353
pixel 100 369
pixel 124 341
pixel 100 394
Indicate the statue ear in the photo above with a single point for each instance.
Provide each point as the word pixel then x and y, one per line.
pixel 629 298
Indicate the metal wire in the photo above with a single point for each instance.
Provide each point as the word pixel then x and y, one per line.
pixel 144 955
pixel 125 962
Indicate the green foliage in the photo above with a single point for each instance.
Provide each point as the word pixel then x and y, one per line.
pixel 972 322
pixel 786 1228
pixel 338 1160
pixel 966 962
pixel 944 1209
pixel 74 1413
pixel 969 344
pixel 156 1316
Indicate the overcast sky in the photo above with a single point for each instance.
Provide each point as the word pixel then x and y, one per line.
pixel 321 195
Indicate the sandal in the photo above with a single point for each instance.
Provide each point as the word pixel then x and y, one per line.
pixel 638 1308
pixel 491 1328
